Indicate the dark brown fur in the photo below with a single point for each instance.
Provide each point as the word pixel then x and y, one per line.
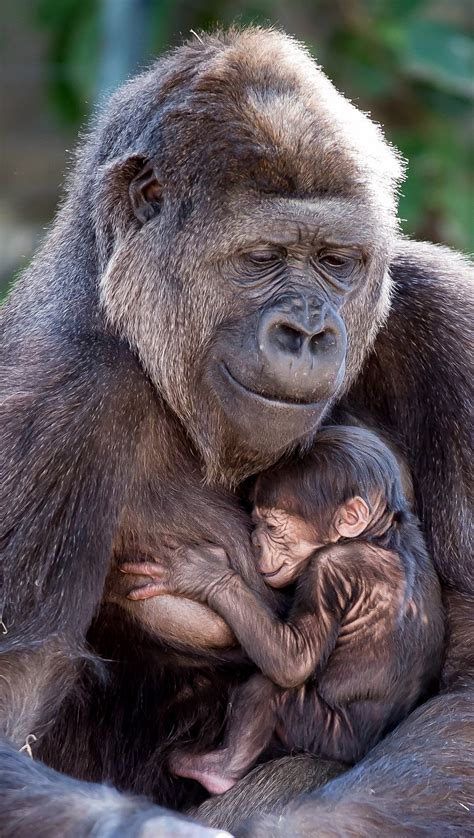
pixel 116 432
pixel 363 640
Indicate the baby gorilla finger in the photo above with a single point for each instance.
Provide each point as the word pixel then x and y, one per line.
pixel 148 591
pixel 153 569
pixel 157 587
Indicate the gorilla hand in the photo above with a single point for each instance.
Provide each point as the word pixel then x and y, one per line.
pixel 193 572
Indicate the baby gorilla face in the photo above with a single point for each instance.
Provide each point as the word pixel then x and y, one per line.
pixel 283 544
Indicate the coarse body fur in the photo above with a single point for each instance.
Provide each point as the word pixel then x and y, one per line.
pixel 117 430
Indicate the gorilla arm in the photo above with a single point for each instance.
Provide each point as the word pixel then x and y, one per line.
pixel 184 623
pixel 67 451
pixel 286 652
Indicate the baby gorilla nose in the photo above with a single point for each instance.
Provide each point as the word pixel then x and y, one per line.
pixel 263 556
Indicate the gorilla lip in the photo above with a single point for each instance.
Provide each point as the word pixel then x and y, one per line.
pixel 265 399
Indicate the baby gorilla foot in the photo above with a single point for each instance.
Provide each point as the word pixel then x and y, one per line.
pixel 207 769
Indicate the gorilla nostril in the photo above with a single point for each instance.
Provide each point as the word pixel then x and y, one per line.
pixel 322 341
pixel 287 338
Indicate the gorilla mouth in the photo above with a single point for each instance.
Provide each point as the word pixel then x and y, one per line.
pixel 273 572
pixel 268 400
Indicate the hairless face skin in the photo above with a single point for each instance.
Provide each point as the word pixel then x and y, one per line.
pixel 363 639
pixel 284 543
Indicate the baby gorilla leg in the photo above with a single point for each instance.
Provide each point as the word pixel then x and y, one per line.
pixel 308 723
pixel 250 725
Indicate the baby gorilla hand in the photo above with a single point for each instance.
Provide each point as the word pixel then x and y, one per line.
pixel 190 571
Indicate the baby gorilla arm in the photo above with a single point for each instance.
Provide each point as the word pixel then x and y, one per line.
pixel 287 653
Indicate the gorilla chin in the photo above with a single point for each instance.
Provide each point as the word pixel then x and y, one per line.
pixel 272 422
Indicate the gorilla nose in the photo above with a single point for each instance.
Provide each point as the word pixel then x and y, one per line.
pixel 290 337
pixel 301 344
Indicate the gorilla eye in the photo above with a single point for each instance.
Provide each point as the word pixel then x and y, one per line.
pixel 340 265
pixel 265 257
pixel 335 261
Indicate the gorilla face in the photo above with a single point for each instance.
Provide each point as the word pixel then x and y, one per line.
pixel 251 272
pixel 277 363
pixel 253 334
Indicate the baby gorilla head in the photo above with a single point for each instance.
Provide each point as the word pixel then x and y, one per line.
pixel 284 542
pixel 348 485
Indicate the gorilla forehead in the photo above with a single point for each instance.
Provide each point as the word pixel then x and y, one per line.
pixel 250 105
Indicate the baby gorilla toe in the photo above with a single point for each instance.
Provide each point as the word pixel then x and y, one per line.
pixel 206 769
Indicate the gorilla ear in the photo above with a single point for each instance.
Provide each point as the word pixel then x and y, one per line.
pixel 352 518
pixel 146 193
pixel 127 194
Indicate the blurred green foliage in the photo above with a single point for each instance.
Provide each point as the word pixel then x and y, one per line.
pixel 409 63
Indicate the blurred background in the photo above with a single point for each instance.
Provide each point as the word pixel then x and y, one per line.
pixel 409 63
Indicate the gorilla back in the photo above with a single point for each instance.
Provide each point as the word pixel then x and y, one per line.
pixel 212 286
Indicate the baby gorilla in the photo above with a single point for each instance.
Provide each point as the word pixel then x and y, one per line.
pixel 363 639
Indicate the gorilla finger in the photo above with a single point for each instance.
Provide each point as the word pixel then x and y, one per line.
pixel 149 591
pixel 155 570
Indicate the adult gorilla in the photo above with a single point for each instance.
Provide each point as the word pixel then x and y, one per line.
pixel 213 284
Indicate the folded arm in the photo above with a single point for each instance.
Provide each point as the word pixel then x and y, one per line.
pixel 287 652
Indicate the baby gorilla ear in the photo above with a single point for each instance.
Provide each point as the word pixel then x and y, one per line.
pixel 146 194
pixel 352 518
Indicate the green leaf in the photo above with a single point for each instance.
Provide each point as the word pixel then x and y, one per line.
pixel 440 54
